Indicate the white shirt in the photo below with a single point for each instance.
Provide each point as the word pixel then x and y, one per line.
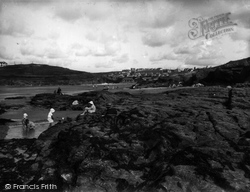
pixel 91 109
pixel 50 117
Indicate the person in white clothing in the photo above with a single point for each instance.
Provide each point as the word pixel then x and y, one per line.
pixel 50 117
pixel 90 109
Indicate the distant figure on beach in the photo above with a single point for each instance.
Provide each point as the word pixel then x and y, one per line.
pixel 50 117
pixel 59 91
pixel 27 124
pixel 90 109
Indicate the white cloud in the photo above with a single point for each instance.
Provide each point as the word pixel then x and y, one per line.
pixel 29 48
pixel 171 36
pixel 68 11
pixel 185 49
pixel 14 27
pixel 104 65
pixel 90 36
pixel 76 46
pixel 84 51
pixel 98 11
pixel 54 35
pixel 241 17
pixel 106 49
pixel 4 54
pixel 243 46
pixel 135 61
pixel 206 8
pixel 195 53
pixel 54 53
pixel 155 38
pixel 166 56
pixel 159 14
pixel 241 34
pixel 205 53
pixel 72 11
pixel 50 51
pixel 121 59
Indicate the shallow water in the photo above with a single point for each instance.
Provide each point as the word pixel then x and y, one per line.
pixel 38 116
pixel 16 131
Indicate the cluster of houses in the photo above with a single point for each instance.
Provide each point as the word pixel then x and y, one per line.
pixel 129 75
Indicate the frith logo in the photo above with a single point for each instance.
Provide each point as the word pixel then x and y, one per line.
pixel 30 187
pixel 212 27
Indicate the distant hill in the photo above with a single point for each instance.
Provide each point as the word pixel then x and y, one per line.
pixel 231 73
pixel 36 70
pixel 41 74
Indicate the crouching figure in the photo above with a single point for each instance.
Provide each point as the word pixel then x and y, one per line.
pixel 27 124
pixel 90 109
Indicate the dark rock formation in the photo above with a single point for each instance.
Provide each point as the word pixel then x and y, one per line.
pixel 64 102
pixel 16 161
pixel 4 127
pixel 184 141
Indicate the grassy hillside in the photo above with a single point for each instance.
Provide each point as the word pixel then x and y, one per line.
pixel 231 73
pixel 40 74
pixel 36 70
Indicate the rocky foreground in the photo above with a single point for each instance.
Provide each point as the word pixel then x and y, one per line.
pixel 187 140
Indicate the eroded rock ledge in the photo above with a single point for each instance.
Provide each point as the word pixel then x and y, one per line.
pixel 185 140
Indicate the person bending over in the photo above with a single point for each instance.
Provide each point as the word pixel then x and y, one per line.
pixel 27 123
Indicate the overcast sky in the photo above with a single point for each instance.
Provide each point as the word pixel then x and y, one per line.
pixel 109 35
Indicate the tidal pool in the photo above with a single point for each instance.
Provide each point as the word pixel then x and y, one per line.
pixel 16 131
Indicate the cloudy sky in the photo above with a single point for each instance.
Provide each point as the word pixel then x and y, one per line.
pixel 109 35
